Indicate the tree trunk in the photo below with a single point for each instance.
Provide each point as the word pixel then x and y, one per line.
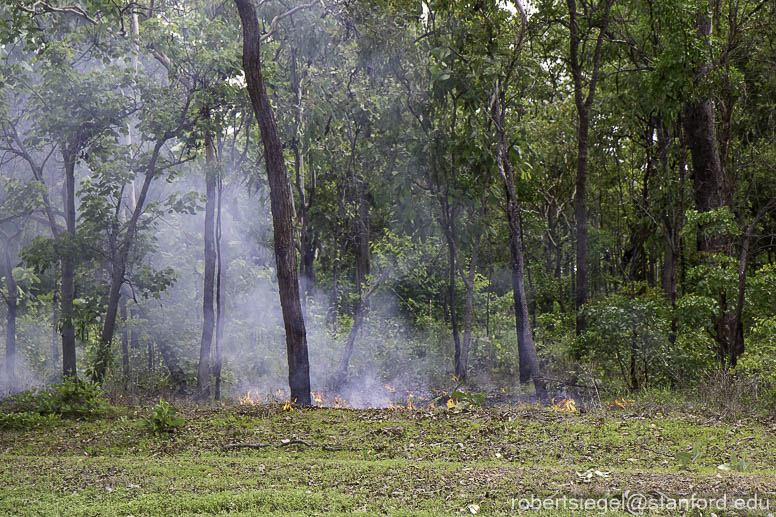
pixel 119 266
pixel 208 314
pixel 458 361
pixel 469 304
pixel 362 234
pixel 361 313
pixel 526 348
pixel 218 357
pixel 583 103
pixel 11 300
pixel 55 327
pixel 170 358
pixel 68 270
pixel 282 209
pixel 124 338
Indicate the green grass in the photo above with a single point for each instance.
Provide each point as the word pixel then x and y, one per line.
pixel 396 462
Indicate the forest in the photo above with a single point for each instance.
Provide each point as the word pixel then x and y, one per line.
pixel 399 257
pixel 401 192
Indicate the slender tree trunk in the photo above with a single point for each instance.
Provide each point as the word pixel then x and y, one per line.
pixel 11 300
pixel 171 361
pixel 218 358
pixel 458 361
pixel 362 234
pixel 469 306
pixel 208 314
pixel 526 348
pixel 124 338
pixel 584 104
pixel 55 354
pixel 119 266
pixel 68 270
pixel 282 209
pixel 580 215
pixel 361 313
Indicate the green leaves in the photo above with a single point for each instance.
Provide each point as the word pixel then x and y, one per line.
pixel 162 418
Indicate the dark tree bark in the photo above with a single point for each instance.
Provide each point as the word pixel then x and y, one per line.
pixel 124 337
pixel 208 314
pixel 709 183
pixel 218 356
pixel 526 348
pixel 120 256
pixel 282 209
pixel 55 354
pixel 459 361
pixel 69 157
pixel 583 103
pixel 171 361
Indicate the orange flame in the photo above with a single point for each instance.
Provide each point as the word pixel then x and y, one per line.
pixel 249 399
pixel 565 405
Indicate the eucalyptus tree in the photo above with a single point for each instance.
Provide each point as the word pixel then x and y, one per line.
pixel 281 201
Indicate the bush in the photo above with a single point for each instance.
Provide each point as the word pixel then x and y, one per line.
pixel 25 420
pixel 162 418
pixel 72 398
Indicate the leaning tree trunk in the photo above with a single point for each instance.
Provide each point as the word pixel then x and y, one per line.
pixel 119 267
pixel 282 209
pixel 361 313
pixel 208 313
pixel 526 348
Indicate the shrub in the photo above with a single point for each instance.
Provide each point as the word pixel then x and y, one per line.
pixel 72 398
pixel 25 420
pixel 162 418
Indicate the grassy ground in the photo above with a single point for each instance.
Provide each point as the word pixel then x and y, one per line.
pixel 396 462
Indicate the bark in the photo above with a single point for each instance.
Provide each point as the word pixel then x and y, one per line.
pixel 458 360
pixel 11 300
pixel 218 356
pixel 208 314
pixel 124 338
pixel 583 103
pixel 282 209
pixel 171 361
pixel 119 265
pixel 307 237
pixel 468 280
pixel 526 348
pixel 68 269
pixel 361 313
pixel 55 326
pixel 362 234
pixel 736 344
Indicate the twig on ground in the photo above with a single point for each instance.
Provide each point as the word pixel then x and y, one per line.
pixel 284 443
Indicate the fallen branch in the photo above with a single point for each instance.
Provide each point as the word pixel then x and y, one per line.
pixel 263 445
pixel 238 445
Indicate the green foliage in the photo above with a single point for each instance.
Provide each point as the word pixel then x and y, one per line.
pixel 686 459
pixel 465 399
pixel 72 398
pixel 162 418
pixel 628 335
pixel 25 420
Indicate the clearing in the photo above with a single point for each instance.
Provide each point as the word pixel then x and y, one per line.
pixel 397 462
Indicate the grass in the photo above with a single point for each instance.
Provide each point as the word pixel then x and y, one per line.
pixel 397 462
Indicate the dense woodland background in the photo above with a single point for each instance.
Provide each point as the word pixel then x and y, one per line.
pixel 581 193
